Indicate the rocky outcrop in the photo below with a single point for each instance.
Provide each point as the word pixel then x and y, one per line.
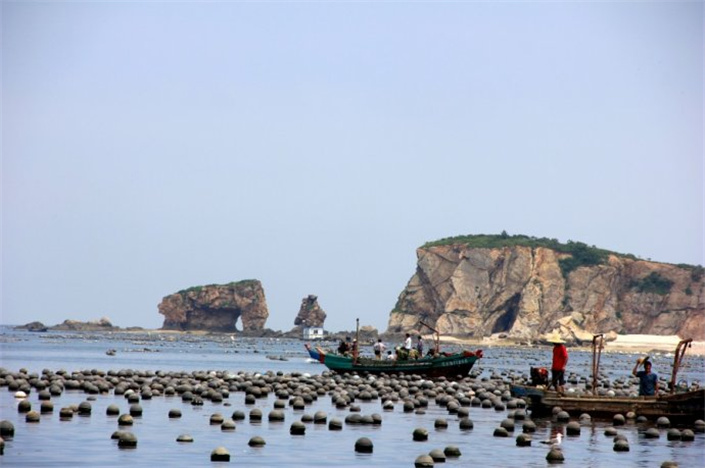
pixel 216 307
pixel 310 313
pixel 526 292
pixel 33 327
pixel 102 324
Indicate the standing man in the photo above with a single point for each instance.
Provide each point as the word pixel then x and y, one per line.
pixel 407 343
pixel 379 348
pixel 648 381
pixel 405 352
pixel 419 346
pixel 560 360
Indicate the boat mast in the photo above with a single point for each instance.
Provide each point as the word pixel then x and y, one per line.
pixel 357 340
pixel 596 353
pixel 436 339
pixel 683 345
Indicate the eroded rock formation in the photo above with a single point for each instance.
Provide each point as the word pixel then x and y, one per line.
pixel 310 313
pixel 216 307
pixel 33 327
pixel 523 292
pixel 103 324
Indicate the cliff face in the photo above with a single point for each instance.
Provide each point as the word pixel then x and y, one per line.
pixel 522 291
pixel 216 307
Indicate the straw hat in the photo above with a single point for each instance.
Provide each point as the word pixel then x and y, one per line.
pixel 555 338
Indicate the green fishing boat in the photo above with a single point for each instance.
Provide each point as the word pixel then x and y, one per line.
pixel 451 366
pixel 435 364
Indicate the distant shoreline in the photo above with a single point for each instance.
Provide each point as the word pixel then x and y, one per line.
pixel 633 344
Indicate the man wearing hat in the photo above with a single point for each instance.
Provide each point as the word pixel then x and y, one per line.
pixel 560 360
pixel 648 381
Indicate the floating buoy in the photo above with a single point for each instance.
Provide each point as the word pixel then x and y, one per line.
pixel 437 455
pixel 423 461
pixel 452 451
pixel 420 434
pixel 297 428
pixel 363 445
pixel 220 454
pixel 523 440
pixel 127 440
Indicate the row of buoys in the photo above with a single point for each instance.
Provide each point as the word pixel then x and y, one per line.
pixel 298 391
pixel 436 456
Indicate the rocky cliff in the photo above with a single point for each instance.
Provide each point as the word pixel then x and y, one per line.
pixel 528 291
pixel 310 313
pixel 216 307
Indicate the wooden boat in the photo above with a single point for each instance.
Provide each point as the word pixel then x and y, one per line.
pixel 456 365
pixel 313 353
pixel 450 366
pixel 680 407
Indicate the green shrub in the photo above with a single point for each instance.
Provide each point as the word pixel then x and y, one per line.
pixel 234 284
pixel 580 254
pixel 652 283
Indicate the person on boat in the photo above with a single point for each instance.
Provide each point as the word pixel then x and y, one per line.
pixel 379 348
pixel 648 381
pixel 354 349
pixel 344 348
pixel 558 365
pixel 419 346
pixel 391 356
pixel 407 342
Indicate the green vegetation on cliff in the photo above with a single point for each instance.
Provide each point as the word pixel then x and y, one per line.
pixel 581 254
pixel 234 284
pixel 653 283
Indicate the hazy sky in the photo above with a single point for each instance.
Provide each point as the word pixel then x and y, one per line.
pixel 152 146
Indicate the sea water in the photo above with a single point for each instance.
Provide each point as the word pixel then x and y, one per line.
pixel 86 440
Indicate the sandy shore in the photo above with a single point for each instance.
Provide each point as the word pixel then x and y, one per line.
pixel 637 344
pixel 647 343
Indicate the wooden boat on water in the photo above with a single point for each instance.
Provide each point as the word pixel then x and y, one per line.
pixel 681 407
pixel 450 366
pixel 439 365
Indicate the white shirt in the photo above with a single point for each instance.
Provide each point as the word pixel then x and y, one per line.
pixel 407 343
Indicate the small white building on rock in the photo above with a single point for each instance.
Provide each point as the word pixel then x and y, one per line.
pixel 313 333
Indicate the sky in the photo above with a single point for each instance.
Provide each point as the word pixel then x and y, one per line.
pixel 152 146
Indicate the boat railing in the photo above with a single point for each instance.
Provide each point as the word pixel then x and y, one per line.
pixel 682 347
pixel 598 342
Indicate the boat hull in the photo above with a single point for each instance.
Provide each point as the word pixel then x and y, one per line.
pixel 314 353
pixel 678 407
pixel 453 366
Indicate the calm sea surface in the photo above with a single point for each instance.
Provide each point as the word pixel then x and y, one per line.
pixel 86 440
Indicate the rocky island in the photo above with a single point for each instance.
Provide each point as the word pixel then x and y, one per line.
pixel 524 287
pixel 310 313
pixel 216 307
